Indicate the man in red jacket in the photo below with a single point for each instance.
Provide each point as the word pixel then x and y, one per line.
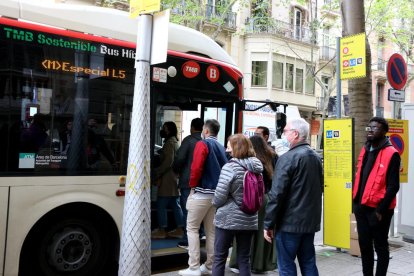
pixel 377 182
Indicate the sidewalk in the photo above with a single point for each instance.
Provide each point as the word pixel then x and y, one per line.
pixel 332 262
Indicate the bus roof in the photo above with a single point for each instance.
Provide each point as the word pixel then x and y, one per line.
pixel 109 23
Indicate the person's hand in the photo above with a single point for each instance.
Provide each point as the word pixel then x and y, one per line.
pixel 268 235
pixel 379 216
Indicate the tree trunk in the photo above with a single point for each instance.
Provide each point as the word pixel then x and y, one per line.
pixel 359 90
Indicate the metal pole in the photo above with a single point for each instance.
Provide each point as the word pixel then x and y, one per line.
pixel 135 255
pixel 338 77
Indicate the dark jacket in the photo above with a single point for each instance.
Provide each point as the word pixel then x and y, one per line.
pixel 164 172
pixel 183 159
pixel 295 199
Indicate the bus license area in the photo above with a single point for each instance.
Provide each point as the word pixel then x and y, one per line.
pixel 68 67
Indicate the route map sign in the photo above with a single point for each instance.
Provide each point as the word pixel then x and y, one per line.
pixel 338 176
pixel 353 57
pixel 397 71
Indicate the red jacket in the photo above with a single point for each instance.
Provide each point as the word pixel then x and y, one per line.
pixel 375 187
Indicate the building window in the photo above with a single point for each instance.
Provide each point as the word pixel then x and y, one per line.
pixel 310 81
pixel 325 81
pixel 277 75
pixel 299 80
pixel 379 100
pixel 259 73
pixel 297 21
pixel 289 76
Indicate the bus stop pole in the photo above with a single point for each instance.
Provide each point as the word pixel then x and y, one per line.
pixel 135 254
pixel 338 78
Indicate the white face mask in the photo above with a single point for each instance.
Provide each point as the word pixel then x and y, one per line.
pixel 285 141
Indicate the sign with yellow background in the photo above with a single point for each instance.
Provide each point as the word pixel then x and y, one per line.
pixel 137 7
pixel 398 133
pixel 338 175
pixel 353 57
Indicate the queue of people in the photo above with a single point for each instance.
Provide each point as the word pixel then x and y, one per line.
pixel 283 230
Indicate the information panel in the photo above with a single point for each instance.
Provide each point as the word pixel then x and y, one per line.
pixel 352 57
pixel 338 175
pixel 398 133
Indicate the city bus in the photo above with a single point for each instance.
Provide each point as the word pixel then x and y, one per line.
pixel 66 89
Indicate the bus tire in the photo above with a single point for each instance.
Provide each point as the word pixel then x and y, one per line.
pixel 71 243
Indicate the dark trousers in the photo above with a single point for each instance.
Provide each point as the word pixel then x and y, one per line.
pixel 372 232
pixel 185 192
pixel 222 244
pixel 288 246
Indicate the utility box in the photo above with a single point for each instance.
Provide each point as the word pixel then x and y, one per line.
pixel 354 245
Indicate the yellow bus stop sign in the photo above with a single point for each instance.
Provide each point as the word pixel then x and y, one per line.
pixel 137 7
pixel 352 55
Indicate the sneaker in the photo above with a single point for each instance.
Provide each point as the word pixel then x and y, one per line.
pixel 183 244
pixel 234 270
pixel 190 272
pixel 204 270
pixel 158 234
pixel 176 233
pixel 203 240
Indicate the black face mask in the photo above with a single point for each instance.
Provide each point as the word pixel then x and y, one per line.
pixel 163 133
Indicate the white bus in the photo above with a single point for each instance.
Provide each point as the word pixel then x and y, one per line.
pixel 66 89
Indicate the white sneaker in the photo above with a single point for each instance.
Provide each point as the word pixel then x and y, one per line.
pixel 190 272
pixel 204 270
pixel 234 270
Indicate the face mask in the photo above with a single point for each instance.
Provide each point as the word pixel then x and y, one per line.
pixel 285 141
pixel 163 133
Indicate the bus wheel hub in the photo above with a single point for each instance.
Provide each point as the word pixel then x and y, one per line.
pixel 70 250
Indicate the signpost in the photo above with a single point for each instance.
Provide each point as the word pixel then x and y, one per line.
pixel 396 95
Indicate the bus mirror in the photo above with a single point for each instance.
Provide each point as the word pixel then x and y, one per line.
pixel 280 123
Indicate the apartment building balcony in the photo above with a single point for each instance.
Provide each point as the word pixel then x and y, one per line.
pixel 279 28
pixel 327 53
pixel 212 15
pixel 380 65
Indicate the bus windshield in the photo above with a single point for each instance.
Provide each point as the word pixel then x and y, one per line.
pixel 66 99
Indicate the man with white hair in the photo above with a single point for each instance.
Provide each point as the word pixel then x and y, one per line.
pixel 293 212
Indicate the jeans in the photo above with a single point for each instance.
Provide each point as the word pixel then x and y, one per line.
pixel 222 243
pixel 288 246
pixel 185 192
pixel 371 232
pixel 162 203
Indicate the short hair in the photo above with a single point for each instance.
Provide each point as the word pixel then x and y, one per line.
pixel 172 129
pixel 242 146
pixel 381 121
pixel 197 124
pixel 264 129
pixel 213 126
pixel 301 126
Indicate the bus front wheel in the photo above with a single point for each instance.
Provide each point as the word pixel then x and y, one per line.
pixel 70 245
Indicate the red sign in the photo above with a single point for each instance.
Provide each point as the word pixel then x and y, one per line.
pixel 213 73
pixel 397 71
pixel 190 69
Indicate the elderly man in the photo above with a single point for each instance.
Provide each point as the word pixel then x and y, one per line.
pixel 295 202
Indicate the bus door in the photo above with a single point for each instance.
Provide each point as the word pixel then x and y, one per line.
pixel 224 114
